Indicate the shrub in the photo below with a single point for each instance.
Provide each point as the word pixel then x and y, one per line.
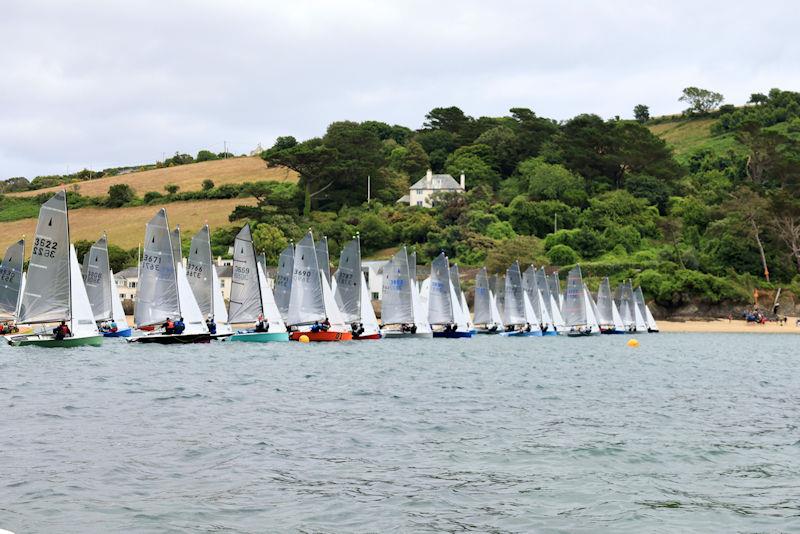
pixel 562 255
pixel 119 195
pixel 208 184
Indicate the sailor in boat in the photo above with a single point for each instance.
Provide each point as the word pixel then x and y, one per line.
pixel 406 328
pixel 326 324
pixel 357 329
pixel 180 326
pixel 168 326
pixel 261 325
pixel 493 328
pixel 211 325
pixel 8 328
pixel 112 326
pixel 316 327
pixel 61 331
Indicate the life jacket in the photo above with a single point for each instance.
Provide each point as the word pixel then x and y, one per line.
pixel 170 325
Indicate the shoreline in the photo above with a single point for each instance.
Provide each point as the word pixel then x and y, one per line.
pixel 736 326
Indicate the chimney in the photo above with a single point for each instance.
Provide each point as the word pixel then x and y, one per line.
pixel 463 181
pixel 429 179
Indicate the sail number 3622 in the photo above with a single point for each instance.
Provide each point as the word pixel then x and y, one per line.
pixel 44 247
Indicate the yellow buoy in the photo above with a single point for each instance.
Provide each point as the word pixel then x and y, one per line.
pixel 304 339
pixel 633 343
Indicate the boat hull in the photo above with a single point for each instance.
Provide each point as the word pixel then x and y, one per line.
pixel 574 333
pixel 452 335
pixel 322 336
pixel 171 339
pixel 550 333
pixel 612 331
pixel 396 334
pixel 259 337
pixel 368 336
pixel 119 333
pixel 47 341
pixel 522 333
pixel 485 332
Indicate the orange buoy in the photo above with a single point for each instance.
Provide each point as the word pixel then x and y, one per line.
pixel 633 343
pixel 303 339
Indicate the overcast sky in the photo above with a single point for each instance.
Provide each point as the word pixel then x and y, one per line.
pixel 100 84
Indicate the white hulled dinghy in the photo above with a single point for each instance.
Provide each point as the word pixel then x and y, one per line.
pixel 644 310
pixel 352 294
pixel 252 301
pixel 164 294
pixel 608 317
pixel 485 306
pixel 519 317
pixel 578 313
pixel 55 292
pixel 205 284
pixel 102 291
pixel 401 303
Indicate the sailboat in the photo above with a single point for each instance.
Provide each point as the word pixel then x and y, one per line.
pixel 312 306
pixel 550 301
pixel 519 316
pixel 205 284
pixel 608 317
pixel 444 308
pixel 401 303
pixel 102 291
pixel 485 306
pixel 530 283
pixel 578 313
pixel 283 281
pixel 54 291
pixel 632 317
pixel 164 292
pixel 11 286
pixel 251 296
pixel 463 314
pixel 352 295
pixel 644 310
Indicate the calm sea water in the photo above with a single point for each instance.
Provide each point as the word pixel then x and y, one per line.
pixel 687 433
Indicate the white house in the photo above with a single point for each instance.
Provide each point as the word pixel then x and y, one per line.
pixel 421 192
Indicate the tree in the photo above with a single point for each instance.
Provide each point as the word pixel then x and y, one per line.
pixel 523 248
pixel 786 223
pixel 701 101
pixel 641 113
pixel 758 99
pixel 208 184
pixel 531 131
pixel 171 189
pixel 119 195
pixel 504 148
pixel 411 159
pixel 562 255
pixel 752 208
pixel 205 155
pixel 476 170
pixel 269 240
pixel 772 158
pixel 547 181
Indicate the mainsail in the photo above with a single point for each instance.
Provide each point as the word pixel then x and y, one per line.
pixel 575 302
pixel 349 281
pixel 440 304
pixel 396 294
pixel 283 281
pixel 605 304
pixel 96 278
pixel 482 303
pixel 11 280
pixel 641 310
pixel 47 293
pixel 245 300
pixel 157 295
pixel 199 267
pixel 514 297
pixel 306 304
pixel 175 239
pixel 323 258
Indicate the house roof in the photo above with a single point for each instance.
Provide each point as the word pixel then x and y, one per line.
pixel 439 182
pixel 404 199
pixel 130 272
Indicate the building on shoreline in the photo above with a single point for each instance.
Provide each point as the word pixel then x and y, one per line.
pixel 421 193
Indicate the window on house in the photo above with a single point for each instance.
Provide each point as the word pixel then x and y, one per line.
pixel 375 295
pixel 419 203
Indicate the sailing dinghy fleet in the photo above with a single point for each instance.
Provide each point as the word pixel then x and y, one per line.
pixel 67 304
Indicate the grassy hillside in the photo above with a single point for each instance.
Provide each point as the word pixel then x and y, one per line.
pixel 188 177
pixel 125 226
pixel 686 136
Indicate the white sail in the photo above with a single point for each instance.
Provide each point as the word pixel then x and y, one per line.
pixel 419 312
pixel 218 310
pixel 514 312
pixel 459 317
pixel 440 301
pixel 424 293
pixel 558 319
pixel 642 309
pixel 47 295
pixel 648 317
pixel 192 316
pixel 482 303
pixel 545 315
pixel 641 325
pixel 530 315
pixel 368 320
pixel 332 312
pixel 323 258
pixel 496 318
pixel 245 301
pixel 627 306
pixel 82 319
pixel 619 326
pixel 11 280
pixel 198 270
pixel 591 317
pixel 21 292
pixel 271 313
pixel 117 312
pixel 396 296
pixel 175 239
pixel 465 311
pixel 306 302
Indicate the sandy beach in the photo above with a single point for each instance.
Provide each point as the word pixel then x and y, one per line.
pixel 724 325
